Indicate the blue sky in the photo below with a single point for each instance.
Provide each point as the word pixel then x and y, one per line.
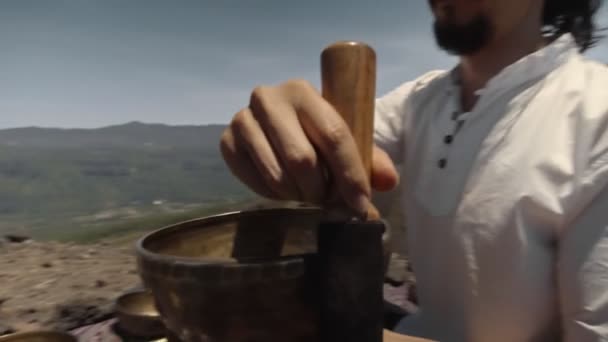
pixel 91 63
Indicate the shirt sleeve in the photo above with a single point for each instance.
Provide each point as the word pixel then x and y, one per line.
pixel 389 122
pixel 393 113
pixel 583 274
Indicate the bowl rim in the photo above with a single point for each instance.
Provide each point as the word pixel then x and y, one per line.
pixel 120 308
pixel 159 258
pixel 11 337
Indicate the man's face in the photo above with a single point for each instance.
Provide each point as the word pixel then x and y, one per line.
pixel 463 27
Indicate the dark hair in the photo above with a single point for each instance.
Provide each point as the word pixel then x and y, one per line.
pixel 574 17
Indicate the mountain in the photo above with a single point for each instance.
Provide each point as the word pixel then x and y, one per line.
pixel 70 179
pixel 131 135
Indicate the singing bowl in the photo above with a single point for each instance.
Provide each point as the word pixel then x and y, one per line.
pixel 39 336
pixel 237 277
pixel 137 314
pixel 244 276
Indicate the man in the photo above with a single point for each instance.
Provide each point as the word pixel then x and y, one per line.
pixel 504 161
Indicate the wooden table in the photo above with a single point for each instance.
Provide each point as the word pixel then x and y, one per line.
pixel 390 336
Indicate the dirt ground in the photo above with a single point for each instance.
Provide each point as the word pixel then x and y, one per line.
pixel 61 286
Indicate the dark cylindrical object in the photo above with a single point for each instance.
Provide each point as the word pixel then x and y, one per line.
pixel 351 275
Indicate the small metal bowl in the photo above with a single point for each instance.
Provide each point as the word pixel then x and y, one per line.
pixel 137 314
pixel 39 336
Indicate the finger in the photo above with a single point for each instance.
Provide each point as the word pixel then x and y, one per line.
pixel 250 135
pixel 240 164
pixel 384 174
pixel 292 146
pixel 334 141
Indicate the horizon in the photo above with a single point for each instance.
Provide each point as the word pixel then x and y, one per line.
pixel 134 122
pixel 98 63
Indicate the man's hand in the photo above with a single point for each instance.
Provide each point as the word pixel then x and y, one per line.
pixel 289 143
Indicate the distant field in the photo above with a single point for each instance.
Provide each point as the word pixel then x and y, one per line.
pixel 83 184
pixel 129 229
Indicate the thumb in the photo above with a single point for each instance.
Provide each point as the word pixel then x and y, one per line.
pixel 384 174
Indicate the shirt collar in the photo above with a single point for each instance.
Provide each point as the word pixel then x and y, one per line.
pixel 532 66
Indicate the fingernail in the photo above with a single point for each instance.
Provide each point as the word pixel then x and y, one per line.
pixel 360 203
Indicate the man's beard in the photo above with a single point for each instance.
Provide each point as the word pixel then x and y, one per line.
pixel 463 40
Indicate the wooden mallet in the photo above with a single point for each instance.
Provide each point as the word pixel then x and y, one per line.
pixel 351 252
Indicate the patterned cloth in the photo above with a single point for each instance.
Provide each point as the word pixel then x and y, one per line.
pixel 99 332
pixel 400 296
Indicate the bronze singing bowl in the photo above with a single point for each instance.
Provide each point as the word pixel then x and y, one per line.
pixel 39 336
pixel 137 314
pixel 237 277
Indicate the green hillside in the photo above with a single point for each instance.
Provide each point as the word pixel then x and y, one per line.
pixel 54 182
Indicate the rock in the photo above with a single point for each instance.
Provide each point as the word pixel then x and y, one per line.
pixel 6 329
pixel 80 312
pixel 44 285
pixel 14 238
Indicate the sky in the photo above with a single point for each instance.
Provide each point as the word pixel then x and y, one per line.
pixel 93 63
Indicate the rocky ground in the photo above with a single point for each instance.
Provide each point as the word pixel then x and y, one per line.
pixel 60 286
pixel 63 286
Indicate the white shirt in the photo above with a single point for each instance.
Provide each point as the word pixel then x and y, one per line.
pixel 509 241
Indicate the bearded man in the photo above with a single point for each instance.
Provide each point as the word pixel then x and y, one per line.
pixel 504 159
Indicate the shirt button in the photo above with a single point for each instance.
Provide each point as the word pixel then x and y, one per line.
pixel 448 139
pixel 442 163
